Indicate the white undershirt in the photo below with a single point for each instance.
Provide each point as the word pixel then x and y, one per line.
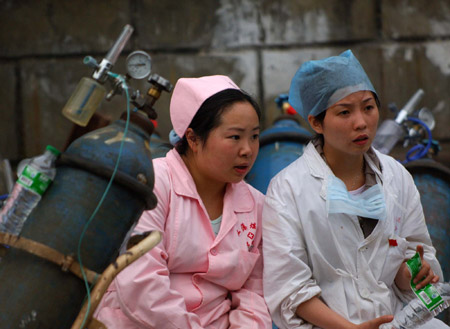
pixel 216 224
pixel 358 191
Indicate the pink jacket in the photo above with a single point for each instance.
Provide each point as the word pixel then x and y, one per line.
pixel 193 279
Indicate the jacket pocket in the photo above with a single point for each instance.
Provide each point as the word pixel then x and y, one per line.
pixel 394 258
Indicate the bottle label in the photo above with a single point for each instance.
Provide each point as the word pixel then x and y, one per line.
pixel 429 295
pixel 34 180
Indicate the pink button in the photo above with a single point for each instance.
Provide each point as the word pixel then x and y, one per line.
pixel 214 251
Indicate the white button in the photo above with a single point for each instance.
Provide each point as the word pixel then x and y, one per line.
pixel 365 293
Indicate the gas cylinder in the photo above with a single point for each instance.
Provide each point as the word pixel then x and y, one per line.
pixel 433 182
pixel 279 145
pixel 35 293
pixel 158 146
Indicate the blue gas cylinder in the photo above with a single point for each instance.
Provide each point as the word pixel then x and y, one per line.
pixel 433 182
pixel 158 146
pixel 36 293
pixel 279 145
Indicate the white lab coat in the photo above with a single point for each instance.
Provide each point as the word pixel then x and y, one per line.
pixel 308 252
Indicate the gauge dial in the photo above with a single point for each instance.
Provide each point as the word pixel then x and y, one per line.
pixel 139 64
pixel 427 117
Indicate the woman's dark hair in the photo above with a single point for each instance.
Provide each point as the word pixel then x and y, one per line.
pixel 208 115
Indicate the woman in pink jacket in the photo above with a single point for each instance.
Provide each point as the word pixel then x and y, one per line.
pixel 207 270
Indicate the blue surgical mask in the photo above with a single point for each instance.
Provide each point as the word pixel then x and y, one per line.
pixel 370 203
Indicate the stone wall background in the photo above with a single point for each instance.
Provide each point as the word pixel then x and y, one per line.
pixel 403 45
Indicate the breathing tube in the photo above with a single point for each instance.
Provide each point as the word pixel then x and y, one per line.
pixel 88 288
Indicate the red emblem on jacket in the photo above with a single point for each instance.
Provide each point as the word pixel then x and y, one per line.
pixel 393 243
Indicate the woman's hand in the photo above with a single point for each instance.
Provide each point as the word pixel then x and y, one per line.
pixel 424 277
pixel 426 274
pixel 375 323
pixel 316 312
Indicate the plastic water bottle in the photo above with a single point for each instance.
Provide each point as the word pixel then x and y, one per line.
pixel 415 313
pixel 28 190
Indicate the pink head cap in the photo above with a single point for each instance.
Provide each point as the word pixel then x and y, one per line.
pixel 189 94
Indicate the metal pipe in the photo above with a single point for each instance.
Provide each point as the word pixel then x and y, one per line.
pixel 117 48
pixel 409 107
pixel 8 174
pixel 101 74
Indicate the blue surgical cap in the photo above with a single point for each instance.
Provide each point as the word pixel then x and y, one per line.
pixel 321 83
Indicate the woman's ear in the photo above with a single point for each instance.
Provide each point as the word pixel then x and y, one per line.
pixel 315 124
pixel 192 139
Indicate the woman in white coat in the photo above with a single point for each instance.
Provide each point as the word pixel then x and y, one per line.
pixel 207 271
pixel 340 222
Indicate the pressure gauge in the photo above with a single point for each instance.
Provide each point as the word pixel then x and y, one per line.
pixel 139 64
pixel 427 117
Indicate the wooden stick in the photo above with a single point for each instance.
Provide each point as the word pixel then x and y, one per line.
pixel 110 273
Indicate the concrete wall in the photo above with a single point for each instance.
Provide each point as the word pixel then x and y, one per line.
pixel 404 45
